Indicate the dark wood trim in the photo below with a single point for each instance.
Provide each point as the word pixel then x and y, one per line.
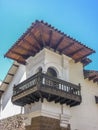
pixel 27 50
pixel 19 54
pixel 50 38
pixel 36 39
pixel 80 58
pixel 57 99
pixel 49 97
pixel 30 44
pixel 16 65
pixel 96 99
pixel 6 83
pixel 58 43
pixel 10 74
pixel 73 53
pixel 66 47
pixel 95 80
pixel 62 101
pixel 42 41
pixel 92 77
pixel 41 97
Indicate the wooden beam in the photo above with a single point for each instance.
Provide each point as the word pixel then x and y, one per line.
pixel 76 51
pixel 42 41
pixel 86 61
pixel 92 77
pixel 66 47
pixel 30 96
pixel 27 50
pixel 74 103
pixel 49 97
pixel 30 44
pixel 19 54
pixel 6 82
pixel 62 101
pixel 80 58
pixel 50 38
pixel 40 95
pixel 10 74
pixel 36 39
pixel 21 61
pixel 69 101
pixel 95 80
pixel 58 43
pixel 57 99
pixel 16 65
pixel 1 91
pixel 96 99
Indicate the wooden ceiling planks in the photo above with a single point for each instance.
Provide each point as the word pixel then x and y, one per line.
pixel 41 35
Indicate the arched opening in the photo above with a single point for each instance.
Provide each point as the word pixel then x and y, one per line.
pixel 51 72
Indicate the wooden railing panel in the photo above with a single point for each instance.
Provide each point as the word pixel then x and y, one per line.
pixel 41 79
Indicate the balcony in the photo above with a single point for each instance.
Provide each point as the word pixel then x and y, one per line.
pixel 41 86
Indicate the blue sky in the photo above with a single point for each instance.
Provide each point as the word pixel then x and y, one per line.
pixel 77 18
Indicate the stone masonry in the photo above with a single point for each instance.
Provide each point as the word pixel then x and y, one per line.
pixel 37 123
pixel 12 123
pixel 45 123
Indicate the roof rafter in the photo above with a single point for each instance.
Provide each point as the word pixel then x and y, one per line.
pixel 76 51
pixel 30 44
pixel 6 82
pixel 36 39
pixel 92 77
pixel 66 47
pixel 50 38
pixel 10 74
pixel 80 58
pixel 16 65
pixel 58 43
pixel 42 42
pixel 27 50
pixel 19 54
pixel 22 61
pixel 95 80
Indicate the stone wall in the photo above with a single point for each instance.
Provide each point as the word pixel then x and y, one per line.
pixel 45 123
pixel 37 123
pixel 12 123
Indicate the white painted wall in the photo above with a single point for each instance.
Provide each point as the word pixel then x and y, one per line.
pixel 47 58
pixel 84 116
pixel 7 108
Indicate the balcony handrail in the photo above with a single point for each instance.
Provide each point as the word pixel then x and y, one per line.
pixel 48 81
pixel 62 81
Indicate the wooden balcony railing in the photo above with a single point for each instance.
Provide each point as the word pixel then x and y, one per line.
pixel 42 86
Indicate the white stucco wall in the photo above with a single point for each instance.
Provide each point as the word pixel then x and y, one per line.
pixel 47 58
pixel 84 116
pixel 7 108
